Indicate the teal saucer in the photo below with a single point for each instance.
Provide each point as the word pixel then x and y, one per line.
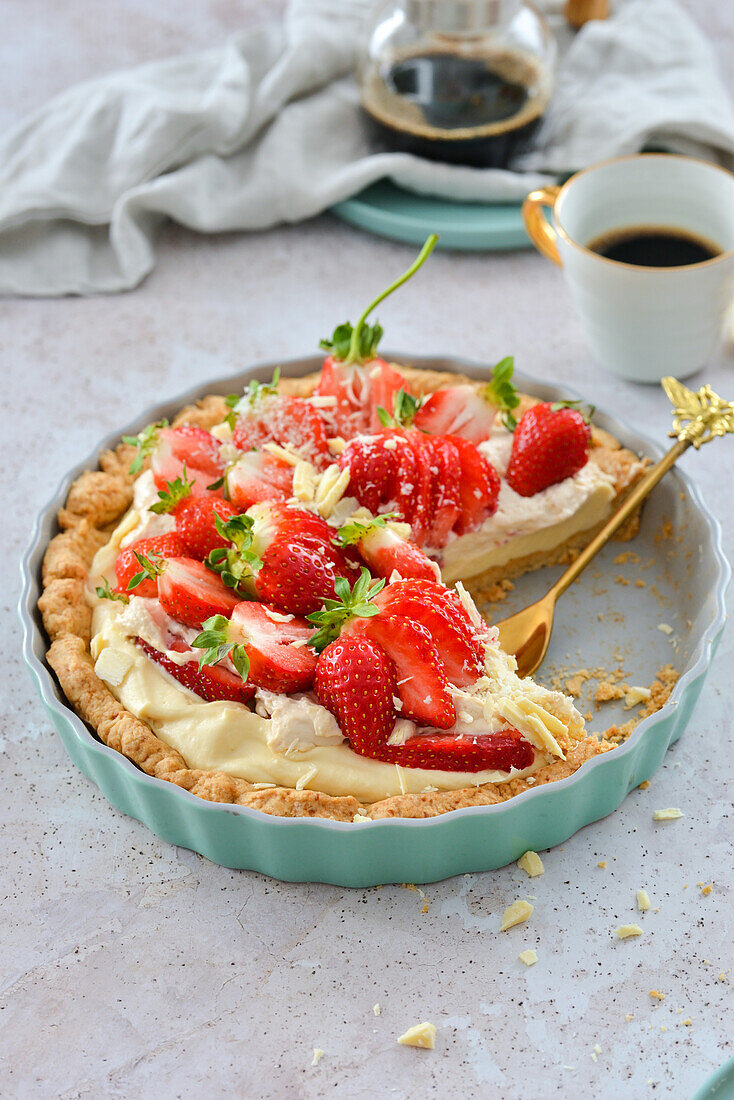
pixel 389 211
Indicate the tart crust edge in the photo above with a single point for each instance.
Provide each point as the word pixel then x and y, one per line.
pixel 95 503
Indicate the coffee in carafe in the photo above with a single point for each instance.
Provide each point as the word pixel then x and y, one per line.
pixel 465 81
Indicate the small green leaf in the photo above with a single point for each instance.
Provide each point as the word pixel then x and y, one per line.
pixel 501 392
pixel 241 661
pixel 587 411
pixel 351 533
pixel 405 406
pixel 146 443
pixel 173 494
pixel 104 592
pixel 238 564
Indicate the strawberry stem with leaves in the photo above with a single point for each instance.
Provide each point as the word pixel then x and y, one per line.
pixel 214 639
pixel 405 406
pixel 146 442
pixel 237 563
pixel 358 344
pixel 174 492
pixel 353 532
pixel 152 568
pixel 253 393
pixel 104 592
pixel 352 603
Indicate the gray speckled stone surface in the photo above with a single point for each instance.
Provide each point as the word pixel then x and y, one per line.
pixel 131 968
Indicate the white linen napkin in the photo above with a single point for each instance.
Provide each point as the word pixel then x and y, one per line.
pixel 268 129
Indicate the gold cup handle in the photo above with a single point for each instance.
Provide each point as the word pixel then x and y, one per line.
pixel 540 231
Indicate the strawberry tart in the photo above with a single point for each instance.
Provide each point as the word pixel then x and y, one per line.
pixel 272 601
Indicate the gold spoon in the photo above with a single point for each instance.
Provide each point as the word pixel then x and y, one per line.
pixel 527 633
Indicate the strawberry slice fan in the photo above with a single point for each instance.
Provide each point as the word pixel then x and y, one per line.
pixel 266 593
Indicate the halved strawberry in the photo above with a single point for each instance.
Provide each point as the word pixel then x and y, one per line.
pixel 356 682
pixel 191 593
pixel 497 752
pixel 188 446
pixel 261 641
pixel 385 551
pixel 212 682
pixel 127 565
pixel 479 488
pixel 293 421
pixel 457 410
pixel 419 673
pixel 429 603
pixel 550 443
pixel 195 524
pixel 258 475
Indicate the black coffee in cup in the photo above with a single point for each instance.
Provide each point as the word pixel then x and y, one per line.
pixel 654 246
pixel 453 106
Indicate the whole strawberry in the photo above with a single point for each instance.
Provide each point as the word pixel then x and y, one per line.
pixel 550 443
pixel 195 525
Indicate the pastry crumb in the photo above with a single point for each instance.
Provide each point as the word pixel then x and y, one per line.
pixel 706 890
pixel 672 813
pixel 529 957
pixel 687 1022
pixel 629 1016
pixel 421 1035
pixel 657 995
pixel 514 914
pixel 603 864
pixel 318 1054
pixel 625 931
pixel 531 864
pixel 665 628
pixel 643 900
pixel 644 785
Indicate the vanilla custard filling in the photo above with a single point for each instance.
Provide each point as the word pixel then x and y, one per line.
pixel 527 525
pixel 292 741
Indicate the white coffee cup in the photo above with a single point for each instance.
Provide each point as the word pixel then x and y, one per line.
pixel 642 322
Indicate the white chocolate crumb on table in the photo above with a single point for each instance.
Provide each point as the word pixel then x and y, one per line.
pixel 376 1009
pixel 516 913
pixel 672 813
pixel 531 864
pixel 529 957
pixel 625 931
pixel 421 1035
pixel 318 1054
pixel 643 900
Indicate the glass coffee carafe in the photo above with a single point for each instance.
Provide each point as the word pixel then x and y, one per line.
pixel 465 81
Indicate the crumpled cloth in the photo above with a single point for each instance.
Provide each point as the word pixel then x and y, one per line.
pixel 268 129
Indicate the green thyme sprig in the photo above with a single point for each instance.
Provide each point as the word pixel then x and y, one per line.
pixel 351 603
pixel 104 592
pixel 174 492
pixel 501 392
pixel 237 563
pixel 214 640
pixel 146 442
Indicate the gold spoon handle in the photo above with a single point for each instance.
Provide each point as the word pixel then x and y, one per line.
pixel 631 502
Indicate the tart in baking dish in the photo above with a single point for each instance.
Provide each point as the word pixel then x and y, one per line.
pixel 264 601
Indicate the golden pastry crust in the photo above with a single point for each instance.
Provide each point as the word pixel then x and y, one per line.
pixel 96 502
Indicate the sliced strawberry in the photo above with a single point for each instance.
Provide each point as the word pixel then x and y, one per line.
pixel 256 476
pixel 420 677
pixel 385 552
pixel 421 512
pixel 193 447
pixel 458 410
pixel 549 445
pixel 403 490
pixel 195 524
pixel 479 489
pixel 426 602
pixel 127 565
pixel 383 382
pixel 291 421
pixel 190 593
pixel 356 682
pixel 213 682
pixel 445 507
pixel 497 752
pixel 372 462
pixel 268 636
pixel 276 518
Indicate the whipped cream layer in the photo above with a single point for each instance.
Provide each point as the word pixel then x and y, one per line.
pixel 292 741
pixel 527 525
